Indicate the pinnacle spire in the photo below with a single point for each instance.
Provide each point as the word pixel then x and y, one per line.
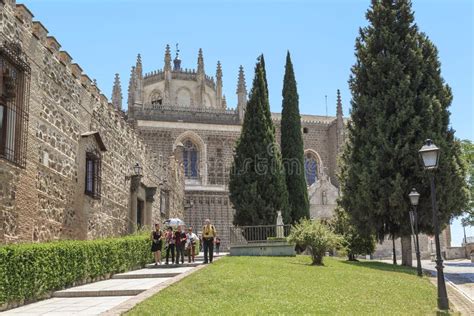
pixel 224 102
pixel 138 66
pixel 200 68
pixel 131 88
pixel 241 86
pixel 117 93
pixel 219 71
pixel 167 58
pixel 339 104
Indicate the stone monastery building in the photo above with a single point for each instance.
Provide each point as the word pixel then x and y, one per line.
pixel 68 154
pixel 175 107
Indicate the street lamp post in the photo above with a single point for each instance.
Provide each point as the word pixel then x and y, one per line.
pixel 430 155
pixel 414 197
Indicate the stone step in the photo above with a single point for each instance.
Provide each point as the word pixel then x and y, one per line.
pixel 146 275
pixel 112 287
pixel 98 293
pixel 168 266
pixel 151 273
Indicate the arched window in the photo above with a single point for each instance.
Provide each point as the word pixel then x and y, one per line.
pixel 156 98
pixel 190 160
pixel 310 168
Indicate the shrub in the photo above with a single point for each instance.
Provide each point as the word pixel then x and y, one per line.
pixel 32 271
pixel 316 236
pixel 353 242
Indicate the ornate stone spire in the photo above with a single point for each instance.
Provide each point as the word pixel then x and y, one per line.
pixel 219 99
pixel 200 68
pixel 167 58
pixel 339 104
pixel 138 67
pixel 339 122
pixel 241 86
pixel 224 102
pixel 177 60
pixel 167 74
pixel 131 89
pixel 117 93
pixel 241 94
pixel 139 80
pixel 201 87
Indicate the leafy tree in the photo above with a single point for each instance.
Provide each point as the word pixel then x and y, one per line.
pixel 467 148
pixel 292 147
pixel 257 181
pixel 315 236
pixel 399 99
pixel 353 242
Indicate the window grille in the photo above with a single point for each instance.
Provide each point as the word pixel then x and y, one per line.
pixel 14 96
pixel 310 167
pixel 93 175
pixel 190 160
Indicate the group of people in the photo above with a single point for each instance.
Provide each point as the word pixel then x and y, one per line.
pixel 181 242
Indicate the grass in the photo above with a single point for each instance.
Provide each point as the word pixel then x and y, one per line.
pixel 290 286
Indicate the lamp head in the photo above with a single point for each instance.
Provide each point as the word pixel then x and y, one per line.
pixel 414 197
pixel 137 169
pixel 429 154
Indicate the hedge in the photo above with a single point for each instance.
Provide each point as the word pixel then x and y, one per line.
pixel 32 271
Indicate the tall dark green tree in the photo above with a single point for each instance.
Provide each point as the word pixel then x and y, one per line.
pixel 399 99
pixel 257 180
pixel 292 147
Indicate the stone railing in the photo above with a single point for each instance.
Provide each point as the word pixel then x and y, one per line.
pixel 186 114
pixel 183 74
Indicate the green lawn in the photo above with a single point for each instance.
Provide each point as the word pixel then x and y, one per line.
pixel 265 285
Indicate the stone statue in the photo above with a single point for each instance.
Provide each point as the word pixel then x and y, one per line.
pixel 279 230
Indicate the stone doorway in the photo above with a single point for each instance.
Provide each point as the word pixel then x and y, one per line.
pixel 140 213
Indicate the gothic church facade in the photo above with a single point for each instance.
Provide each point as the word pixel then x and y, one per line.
pixel 174 107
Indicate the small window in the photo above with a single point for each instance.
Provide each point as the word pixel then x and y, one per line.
pixel 14 96
pixel 93 175
pixel 305 130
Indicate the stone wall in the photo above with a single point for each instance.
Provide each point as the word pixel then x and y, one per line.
pixel 427 246
pixel 46 200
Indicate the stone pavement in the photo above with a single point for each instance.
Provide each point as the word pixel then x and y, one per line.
pixel 113 296
pixel 459 272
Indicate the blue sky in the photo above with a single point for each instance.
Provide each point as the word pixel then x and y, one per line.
pixel 105 36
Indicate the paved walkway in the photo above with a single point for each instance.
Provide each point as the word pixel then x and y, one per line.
pixel 459 272
pixel 100 297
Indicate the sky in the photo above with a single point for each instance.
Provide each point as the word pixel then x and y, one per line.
pixel 105 36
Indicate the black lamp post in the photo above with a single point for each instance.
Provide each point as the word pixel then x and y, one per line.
pixel 414 197
pixel 430 155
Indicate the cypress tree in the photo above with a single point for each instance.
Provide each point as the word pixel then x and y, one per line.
pixel 398 100
pixel 257 184
pixel 292 147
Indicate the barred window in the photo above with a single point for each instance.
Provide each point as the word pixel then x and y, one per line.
pixel 93 175
pixel 190 160
pixel 14 96
pixel 311 168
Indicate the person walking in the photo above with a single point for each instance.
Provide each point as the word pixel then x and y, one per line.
pixel 156 242
pixel 218 245
pixel 191 239
pixel 208 234
pixel 180 241
pixel 170 243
